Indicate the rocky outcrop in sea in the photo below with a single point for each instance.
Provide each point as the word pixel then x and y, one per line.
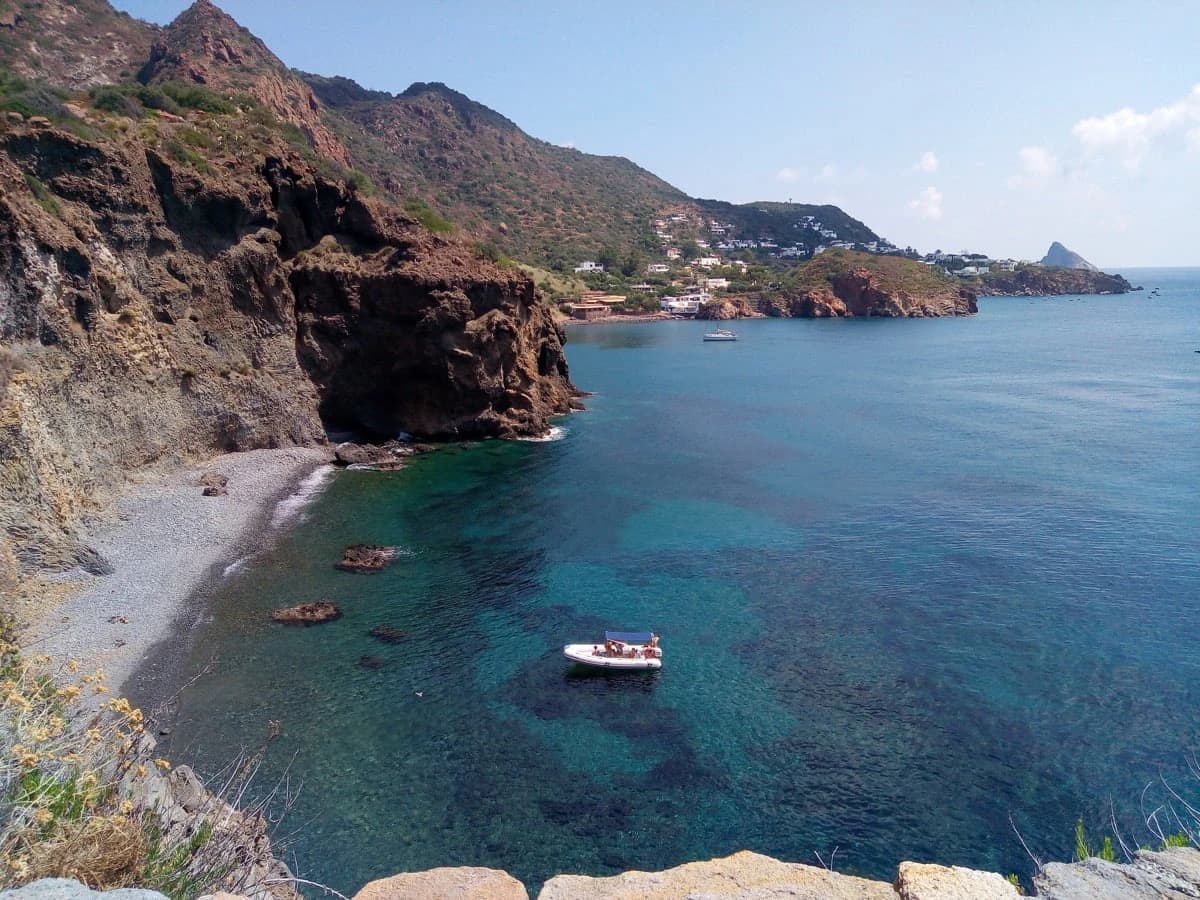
pixel 863 292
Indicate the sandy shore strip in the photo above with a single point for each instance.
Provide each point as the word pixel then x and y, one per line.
pixel 166 543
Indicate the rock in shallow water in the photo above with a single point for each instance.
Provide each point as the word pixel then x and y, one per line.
pixel 307 613
pixel 366 558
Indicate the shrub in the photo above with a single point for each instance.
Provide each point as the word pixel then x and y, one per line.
pixel 178 152
pixel 194 96
pixel 425 214
pixel 360 183
pixel 29 100
pixel 42 195
pixel 117 102
pixel 197 138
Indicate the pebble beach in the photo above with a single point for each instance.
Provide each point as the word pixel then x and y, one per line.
pixel 167 544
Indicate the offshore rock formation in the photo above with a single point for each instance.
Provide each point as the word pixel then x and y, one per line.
pixel 1059 256
pixel 727 308
pixel 1041 281
pixel 158 306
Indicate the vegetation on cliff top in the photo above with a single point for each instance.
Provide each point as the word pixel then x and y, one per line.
pixel 895 274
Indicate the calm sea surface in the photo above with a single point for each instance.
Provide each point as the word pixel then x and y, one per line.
pixel 913 578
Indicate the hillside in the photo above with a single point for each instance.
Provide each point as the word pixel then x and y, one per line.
pixel 846 283
pixel 431 148
pixel 184 278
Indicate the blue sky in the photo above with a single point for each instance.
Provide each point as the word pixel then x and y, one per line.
pixel 944 125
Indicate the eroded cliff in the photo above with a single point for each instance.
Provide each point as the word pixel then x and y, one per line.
pixel 174 288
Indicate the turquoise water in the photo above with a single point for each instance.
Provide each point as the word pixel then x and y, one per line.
pixel 913 578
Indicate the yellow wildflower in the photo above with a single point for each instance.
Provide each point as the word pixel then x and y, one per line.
pixel 41 659
pixel 70 692
pixel 94 735
pixel 43 816
pixel 127 807
pixel 163 764
pixel 99 689
pixel 72 665
pixel 141 771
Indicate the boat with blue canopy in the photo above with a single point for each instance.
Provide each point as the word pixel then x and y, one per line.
pixel 620 650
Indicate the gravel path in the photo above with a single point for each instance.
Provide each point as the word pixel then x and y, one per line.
pixel 166 543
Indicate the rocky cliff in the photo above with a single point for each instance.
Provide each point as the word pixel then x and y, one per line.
pixel 177 287
pixel 841 283
pixel 1043 281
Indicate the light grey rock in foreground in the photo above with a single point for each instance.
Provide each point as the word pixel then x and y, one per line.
pixel 1173 873
pixel 926 881
pixel 69 889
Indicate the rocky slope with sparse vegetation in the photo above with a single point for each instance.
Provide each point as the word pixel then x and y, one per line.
pixel 181 274
pixel 844 283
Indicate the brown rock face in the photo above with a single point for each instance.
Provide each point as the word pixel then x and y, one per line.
pixel 464 883
pixel 155 310
pixel 727 308
pixel 861 292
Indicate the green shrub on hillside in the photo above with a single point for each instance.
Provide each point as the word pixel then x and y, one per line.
pixel 42 195
pixel 425 214
pixel 194 96
pixel 31 99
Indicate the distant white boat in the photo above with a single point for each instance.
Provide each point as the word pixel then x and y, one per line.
pixel 620 650
pixel 721 334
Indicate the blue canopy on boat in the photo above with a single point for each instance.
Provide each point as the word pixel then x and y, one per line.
pixel 629 637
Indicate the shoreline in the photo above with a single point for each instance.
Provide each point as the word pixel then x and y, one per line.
pixel 169 546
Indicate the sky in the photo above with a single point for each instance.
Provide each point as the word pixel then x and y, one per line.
pixel 942 125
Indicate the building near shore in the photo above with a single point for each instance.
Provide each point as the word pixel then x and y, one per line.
pixel 585 311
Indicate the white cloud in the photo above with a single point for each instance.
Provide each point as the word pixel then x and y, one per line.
pixel 828 172
pixel 1037 162
pixel 928 204
pixel 927 163
pixel 789 174
pixel 1129 134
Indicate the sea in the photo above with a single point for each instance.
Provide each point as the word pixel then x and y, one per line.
pixel 926 589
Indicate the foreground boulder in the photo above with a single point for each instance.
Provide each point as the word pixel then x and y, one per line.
pixel 926 881
pixel 1173 872
pixel 307 613
pixel 366 558
pixel 463 883
pixel 743 874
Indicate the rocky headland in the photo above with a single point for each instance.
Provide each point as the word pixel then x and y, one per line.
pixel 1047 281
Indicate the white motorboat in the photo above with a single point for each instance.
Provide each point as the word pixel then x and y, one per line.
pixel 620 650
pixel 721 334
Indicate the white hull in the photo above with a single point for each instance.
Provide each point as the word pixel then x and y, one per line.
pixel 586 655
pixel 721 335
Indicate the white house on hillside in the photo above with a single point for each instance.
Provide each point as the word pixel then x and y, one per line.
pixel 589 266
pixel 657 269
pixel 707 262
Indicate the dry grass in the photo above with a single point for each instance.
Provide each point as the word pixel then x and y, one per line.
pixel 72 761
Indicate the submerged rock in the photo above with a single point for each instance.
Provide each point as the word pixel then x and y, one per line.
pixel 366 558
pixel 371 662
pixel 389 634
pixel 307 613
